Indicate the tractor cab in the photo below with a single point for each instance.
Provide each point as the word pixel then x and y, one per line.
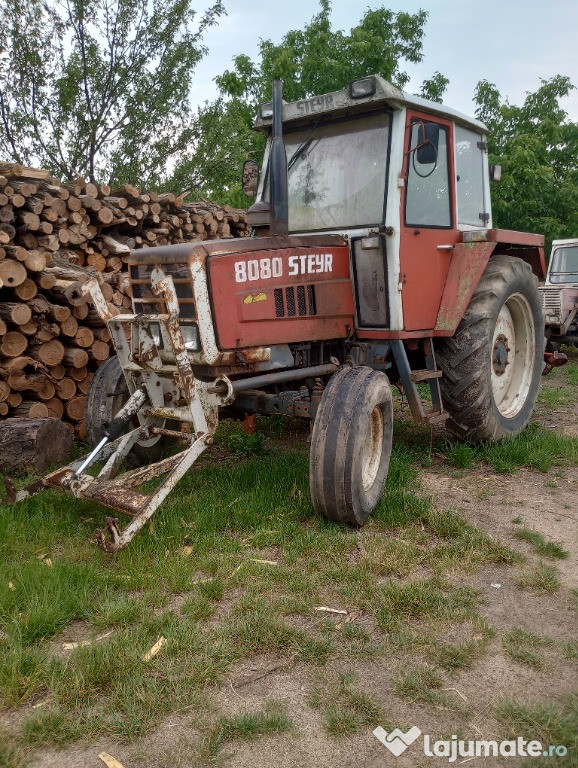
pixel 402 178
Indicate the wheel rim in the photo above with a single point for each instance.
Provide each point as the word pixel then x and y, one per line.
pixel 372 448
pixel 512 355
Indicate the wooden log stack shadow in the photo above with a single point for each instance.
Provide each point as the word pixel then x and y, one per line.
pixel 53 237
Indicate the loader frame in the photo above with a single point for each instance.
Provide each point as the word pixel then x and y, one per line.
pixel 112 487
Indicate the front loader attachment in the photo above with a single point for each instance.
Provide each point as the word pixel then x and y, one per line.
pixel 159 390
pixel 116 490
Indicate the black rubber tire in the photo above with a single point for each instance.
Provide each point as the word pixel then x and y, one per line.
pixel 107 393
pixel 354 405
pixel 466 359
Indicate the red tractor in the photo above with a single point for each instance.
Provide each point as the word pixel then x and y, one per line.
pixel 373 261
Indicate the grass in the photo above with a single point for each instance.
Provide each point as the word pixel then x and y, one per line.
pixel 524 646
pixel 539 578
pixel 463 655
pixel 542 547
pixel 246 726
pixel 345 709
pixel 193 577
pixel 535 448
pixel 422 685
pixel 553 723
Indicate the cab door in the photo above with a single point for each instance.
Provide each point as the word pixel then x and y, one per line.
pixel 428 228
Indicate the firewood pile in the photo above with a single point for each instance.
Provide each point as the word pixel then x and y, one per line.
pixel 53 237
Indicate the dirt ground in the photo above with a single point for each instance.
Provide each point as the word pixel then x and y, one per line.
pixel 547 503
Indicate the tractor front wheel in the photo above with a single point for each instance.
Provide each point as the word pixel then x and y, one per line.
pixel 107 394
pixel 351 445
pixel 492 366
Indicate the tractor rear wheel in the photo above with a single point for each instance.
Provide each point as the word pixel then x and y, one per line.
pixel 351 445
pixel 107 394
pixel 492 366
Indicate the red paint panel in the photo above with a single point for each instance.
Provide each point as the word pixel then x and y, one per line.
pixel 526 245
pixel 467 264
pixel 423 266
pixel 281 296
pixel 512 237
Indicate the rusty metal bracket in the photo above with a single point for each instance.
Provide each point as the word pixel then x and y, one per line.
pixel 553 360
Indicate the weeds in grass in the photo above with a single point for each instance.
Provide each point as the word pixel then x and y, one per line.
pixel 523 646
pixel 539 578
pixel 225 513
pixel 246 444
pixel 535 448
pixel 540 545
pixel 555 723
pixel 245 726
pixel 420 685
pixel 450 656
pixel 462 455
pixel 345 709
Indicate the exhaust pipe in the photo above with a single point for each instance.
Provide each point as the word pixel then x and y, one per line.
pixel 278 191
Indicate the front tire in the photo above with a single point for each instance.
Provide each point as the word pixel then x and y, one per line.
pixel 492 366
pixel 107 394
pixel 351 445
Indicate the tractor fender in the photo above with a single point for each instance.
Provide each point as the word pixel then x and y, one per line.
pixel 466 267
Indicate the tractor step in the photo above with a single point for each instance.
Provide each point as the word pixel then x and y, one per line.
pixel 424 375
pixel 409 378
pixel 435 417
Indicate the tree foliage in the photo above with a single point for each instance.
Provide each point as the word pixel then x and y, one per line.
pixel 98 88
pixel 537 147
pixel 313 60
pixel 316 59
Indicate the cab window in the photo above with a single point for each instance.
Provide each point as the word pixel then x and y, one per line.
pixel 427 200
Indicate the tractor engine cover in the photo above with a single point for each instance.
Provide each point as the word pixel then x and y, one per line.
pixel 281 296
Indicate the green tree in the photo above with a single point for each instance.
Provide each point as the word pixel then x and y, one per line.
pixel 99 88
pixel 537 147
pixel 310 61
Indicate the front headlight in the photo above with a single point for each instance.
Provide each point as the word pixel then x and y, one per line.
pixel 191 337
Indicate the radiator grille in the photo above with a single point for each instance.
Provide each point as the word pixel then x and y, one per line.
pixel 551 300
pixel 290 297
pixel 288 304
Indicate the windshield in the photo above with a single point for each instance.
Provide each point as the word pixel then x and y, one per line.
pixel 564 265
pixel 336 174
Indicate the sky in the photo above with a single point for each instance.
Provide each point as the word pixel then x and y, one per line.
pixel 511 43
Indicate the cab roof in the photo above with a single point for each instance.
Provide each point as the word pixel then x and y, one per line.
pixel 342 103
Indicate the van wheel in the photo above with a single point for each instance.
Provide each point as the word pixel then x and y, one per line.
pixel 351 445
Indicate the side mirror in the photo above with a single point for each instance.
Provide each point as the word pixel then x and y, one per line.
pixel 427 145
pixel 250 177
pixel 495 172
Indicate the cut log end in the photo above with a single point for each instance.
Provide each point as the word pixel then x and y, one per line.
pixel 33 444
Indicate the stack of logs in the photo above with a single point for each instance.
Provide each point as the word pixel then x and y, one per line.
pixel 53 238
